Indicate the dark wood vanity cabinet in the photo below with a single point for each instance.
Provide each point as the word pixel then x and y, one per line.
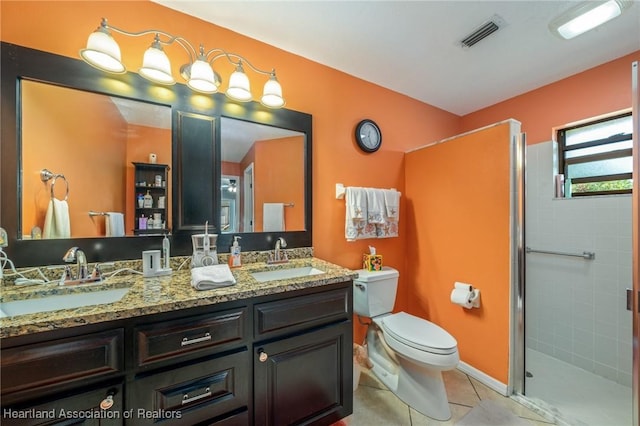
pixel 303 358
pixel 273 360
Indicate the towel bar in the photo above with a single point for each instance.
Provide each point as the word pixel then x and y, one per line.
pixel 588 255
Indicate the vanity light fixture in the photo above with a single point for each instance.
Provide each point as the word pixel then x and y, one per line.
pixel 587 16
pixel 103 52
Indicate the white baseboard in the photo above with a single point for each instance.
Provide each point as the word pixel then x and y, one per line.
pixel 483 378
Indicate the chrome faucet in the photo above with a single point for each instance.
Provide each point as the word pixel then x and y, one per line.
pixel 75 254
pixel 279 256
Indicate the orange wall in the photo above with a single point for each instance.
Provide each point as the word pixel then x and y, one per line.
pixel 279 178
pixel 94 175
pixel 597 91
pixel 458 221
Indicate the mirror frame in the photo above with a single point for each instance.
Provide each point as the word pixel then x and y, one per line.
pixel 19 63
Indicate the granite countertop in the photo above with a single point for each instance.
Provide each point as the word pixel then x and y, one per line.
pixel 159 294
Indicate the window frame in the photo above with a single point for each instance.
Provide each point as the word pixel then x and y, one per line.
pixel 563 162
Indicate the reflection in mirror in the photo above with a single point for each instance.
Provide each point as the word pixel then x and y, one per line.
pixel 92 140
pixel 265 166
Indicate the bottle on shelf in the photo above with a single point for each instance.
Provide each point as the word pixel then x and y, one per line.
pixel 148 201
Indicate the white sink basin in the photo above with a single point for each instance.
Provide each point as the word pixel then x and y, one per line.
pixel 57 302
pixel 285 274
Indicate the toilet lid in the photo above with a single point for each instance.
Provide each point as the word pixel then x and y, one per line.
pixel 419 333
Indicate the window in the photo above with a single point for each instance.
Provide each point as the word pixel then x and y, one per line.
pixel 596 157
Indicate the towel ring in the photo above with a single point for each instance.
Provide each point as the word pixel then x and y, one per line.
pixel 46 175
pixel 53 182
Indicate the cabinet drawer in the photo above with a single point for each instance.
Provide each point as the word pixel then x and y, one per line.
pixel 193 393
pixel 297 313
pixel 61 361
pixel 78 409
pixel 171 339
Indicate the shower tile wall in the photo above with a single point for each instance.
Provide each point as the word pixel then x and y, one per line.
pixel 576 309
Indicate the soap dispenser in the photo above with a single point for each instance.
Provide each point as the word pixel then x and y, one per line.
pixel 235 260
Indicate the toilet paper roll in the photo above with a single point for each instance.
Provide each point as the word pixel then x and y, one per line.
pixel 463 286
pixel 462 297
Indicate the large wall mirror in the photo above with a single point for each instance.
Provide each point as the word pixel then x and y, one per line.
pixel 241 167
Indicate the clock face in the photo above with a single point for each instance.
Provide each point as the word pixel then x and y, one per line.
pixel 368 136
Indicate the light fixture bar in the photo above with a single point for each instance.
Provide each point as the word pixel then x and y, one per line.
pixel 103 52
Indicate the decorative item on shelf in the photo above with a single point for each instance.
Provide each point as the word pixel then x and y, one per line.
pixel 103 52
pixel 140 199
pixel 153 158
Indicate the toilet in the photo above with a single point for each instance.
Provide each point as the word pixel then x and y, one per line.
pixel 408 353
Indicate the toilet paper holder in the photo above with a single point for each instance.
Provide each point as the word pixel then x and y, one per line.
pixel 465 295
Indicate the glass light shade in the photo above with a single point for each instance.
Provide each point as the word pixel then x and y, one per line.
pixel 585 17
pixel 103 52
pixel 156 66
pixel 202 78
pixel 272 94
pixel 239 87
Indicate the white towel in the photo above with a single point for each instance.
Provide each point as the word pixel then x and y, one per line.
pixel 114 224
pixel 56 222
pixel 356 202
pixel 356 225
pixel 375 206
pixel 273 217
pixel 391 204
pixel 213 276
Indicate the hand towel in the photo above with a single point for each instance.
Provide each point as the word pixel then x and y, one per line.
pixel 356 203
pixel 356 225
pixel 375 206
pixel 273 217
pixel 213 276
pixel 391 204
pixel 114 224
pixel 56 222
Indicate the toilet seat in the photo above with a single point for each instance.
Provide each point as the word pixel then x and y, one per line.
pixel 419 333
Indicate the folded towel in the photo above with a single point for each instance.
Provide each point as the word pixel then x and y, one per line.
pixel 392 204
pixel 375 206
pixel 56 222
pixel 213 276
pixel 356 203
pixel 273 217
pixel 114 224
pixel 356 225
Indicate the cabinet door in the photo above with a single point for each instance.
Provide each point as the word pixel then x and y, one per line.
pixel 83 408
pixel 306 379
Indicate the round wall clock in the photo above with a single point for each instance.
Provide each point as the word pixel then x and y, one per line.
pixel 368 136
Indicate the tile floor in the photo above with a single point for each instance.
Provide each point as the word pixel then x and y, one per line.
pixel 374 405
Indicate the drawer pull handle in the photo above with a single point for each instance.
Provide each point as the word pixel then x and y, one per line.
pixel 187 400
pixel 263 356
pixel 187 342
pixel 107 403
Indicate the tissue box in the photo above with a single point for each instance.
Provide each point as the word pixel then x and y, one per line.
pixel 372 262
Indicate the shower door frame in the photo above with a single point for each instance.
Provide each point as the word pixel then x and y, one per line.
pixel 635 237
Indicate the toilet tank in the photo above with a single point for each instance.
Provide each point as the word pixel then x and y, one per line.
pixel 374 292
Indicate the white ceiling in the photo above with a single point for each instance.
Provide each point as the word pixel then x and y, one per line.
pixel 412 47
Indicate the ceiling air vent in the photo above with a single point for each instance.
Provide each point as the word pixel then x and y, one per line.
pixel 483 31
